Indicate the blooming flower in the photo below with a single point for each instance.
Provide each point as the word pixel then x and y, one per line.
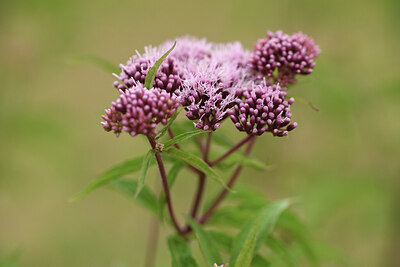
pixel 263 108
pixel 280 57
pixel 209 84
pixel 136 69
pixel 139 111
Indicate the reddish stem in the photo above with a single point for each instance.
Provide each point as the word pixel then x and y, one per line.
pixel 233 149
pixel 164 181
pixel 230 183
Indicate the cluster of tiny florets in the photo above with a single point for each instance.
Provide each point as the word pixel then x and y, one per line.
pixel 212 82
pixel 139 111
pixel 262 108
pixel 135 71
pixel 209 84
pixel 280 57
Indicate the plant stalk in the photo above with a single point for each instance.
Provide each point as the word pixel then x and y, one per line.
pixel 164 182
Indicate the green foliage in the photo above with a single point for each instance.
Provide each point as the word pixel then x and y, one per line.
pixel 224 240
pixel 129 187
pixel 126 167
pixel 181 254
pixel 281 249
pixel 182 137
pixel 247 250
pixel 196 162
pixel 206 243
pixel 145 167
pixel 162 132
pixel 148 83
pixel 267 218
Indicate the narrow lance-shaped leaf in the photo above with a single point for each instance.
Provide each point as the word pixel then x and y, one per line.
pixel 206 243
pixel 278 247
pixel 145 167
pixel 181 137
pixel 126 167
pixel 268 217
pixel 169 123
pixel 129 187
pixel 148 83
pixel 247 251
pixel 181 254
pixel 195 162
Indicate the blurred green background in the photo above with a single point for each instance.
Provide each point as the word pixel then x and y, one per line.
pixel 343 162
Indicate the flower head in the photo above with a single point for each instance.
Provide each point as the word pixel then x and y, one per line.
pixel 261 109
pixel 139 111
pixel 280 57
pixel 136 69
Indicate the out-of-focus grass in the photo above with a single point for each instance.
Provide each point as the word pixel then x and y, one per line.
pixel 342 161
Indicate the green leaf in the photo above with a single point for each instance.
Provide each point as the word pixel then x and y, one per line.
pixel 195 162
pixel 290 222
pixel 165 128
pixel 206 243
pixel 247 250
pixel 268 217
pixel 129 187
pixel 278 247
pixel 223 239
pixel 238 158
pixel 171 177
pixel 182 137
pixel 99 62
pixel 181 254
pixel 145 168
pixel 148 83
pixel 259 261
pixel 222 140
pixel 126 167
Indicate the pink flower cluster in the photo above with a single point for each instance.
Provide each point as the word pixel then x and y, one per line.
pixel 213 81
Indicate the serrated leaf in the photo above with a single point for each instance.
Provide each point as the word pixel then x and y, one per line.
pixel 181 137
pixel 162 132
pixel 181 254
pixel 147 198
pixel 268 217
pixel 99 62
pixel 145 168
pixel 171 177
pixel 151 74
pixel 196 162
pixel 246 253
pixel 206 243
pixel 126 167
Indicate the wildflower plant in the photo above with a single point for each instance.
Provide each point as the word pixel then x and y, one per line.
pixel 213 84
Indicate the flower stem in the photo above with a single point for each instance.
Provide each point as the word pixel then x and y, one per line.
pixel 233 149
pixel 164 182
pixel 230 183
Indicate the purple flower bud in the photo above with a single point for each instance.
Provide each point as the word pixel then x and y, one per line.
pixel 137 67
pixel 139 111
pixel 280 57
pixel 275 113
